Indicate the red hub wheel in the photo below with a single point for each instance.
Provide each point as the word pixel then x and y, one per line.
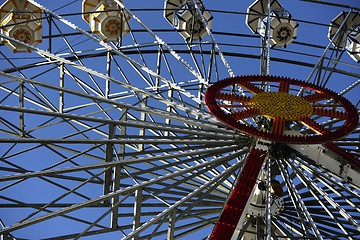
pixel 235 101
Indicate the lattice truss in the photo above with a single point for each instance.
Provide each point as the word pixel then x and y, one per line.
pixel 116 121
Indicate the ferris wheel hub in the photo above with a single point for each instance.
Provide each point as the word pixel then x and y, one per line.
pixel 281 105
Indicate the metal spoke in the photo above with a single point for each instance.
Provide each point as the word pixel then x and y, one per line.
pixel 160 119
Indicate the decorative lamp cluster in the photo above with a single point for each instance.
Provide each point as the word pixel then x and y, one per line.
pixel 20 20
pixel 281 105
pixel 283 28
pixel 349 35
pixel 183 15
pixel 105 19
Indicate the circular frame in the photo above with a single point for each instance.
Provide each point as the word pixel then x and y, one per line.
pixel 116 141
pixel 277 133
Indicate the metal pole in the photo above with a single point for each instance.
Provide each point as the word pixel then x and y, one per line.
pixel 268 200
pixel 268 38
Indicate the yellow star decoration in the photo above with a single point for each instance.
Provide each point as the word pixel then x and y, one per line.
pixel 281 105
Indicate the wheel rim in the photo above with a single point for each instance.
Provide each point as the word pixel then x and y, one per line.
pixel 282 108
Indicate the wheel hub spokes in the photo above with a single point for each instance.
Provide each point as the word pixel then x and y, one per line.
pixel 294 101
pixel 283 107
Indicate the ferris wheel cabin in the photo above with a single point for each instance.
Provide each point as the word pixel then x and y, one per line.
pixel 21 22
pixel 344 33
pixel 187 18
pixel 105 19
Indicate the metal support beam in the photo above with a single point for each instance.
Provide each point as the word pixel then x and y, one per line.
pixel 109 153
pixel 142 119
pixel 117 173
pixel 169 108
pixel 137 211
pixel 240 197
pixel 61 85
pixel 211 35
pixel 49 20
pixel 123 118
pixel 115 199
pixel 330 162
pixel 186 198
pixel 300 206
pixel 158 68
pixel 268 38
pixel 259 228
pixel 319 64
pixel 160 113
pixel 318 192
pixel 171 226
pixel 131 189
pixel 108 71
pixel 268 200
pixel 263 57
pixel 21 105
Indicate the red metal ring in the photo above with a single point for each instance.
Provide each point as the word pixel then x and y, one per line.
pixel 349 114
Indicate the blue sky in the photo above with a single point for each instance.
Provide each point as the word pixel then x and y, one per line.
pixel 229 17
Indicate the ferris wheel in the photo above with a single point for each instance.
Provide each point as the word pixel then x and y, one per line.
pixel 179 119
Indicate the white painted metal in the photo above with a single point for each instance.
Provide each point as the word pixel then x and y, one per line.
pixel 116 141
pixel 330 162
